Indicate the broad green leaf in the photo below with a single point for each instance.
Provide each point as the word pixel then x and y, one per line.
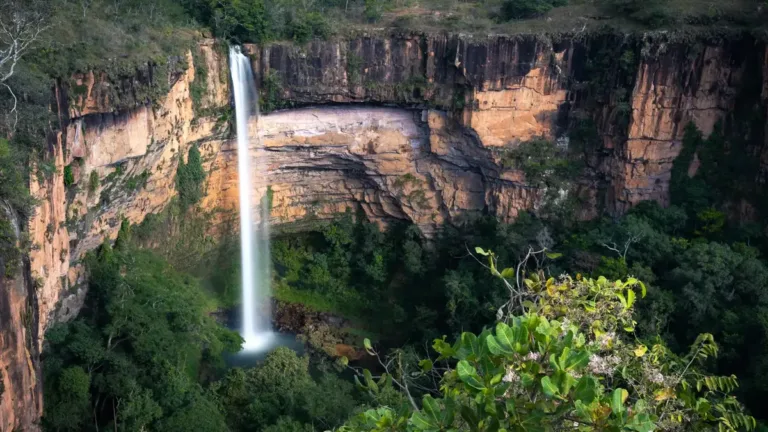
pixel 623 300
pixel 421 422
pixel 630 298
pixel 495 348
pixel 510 405
pixel 480 251
pixel 367 345
pixel 553 255
pixel 508 273
pixel 548 387
pixel 443 348
pixel 585 390
pixel 426 365
pixel 344 361
pixel 566 383
pixel 527 379
pixel 359 384
pixel 468 375
pixel 505 336
pixel 582 411
pixel 468 347
pixel 470 417
pixel 432 409
pixel 577 360
pixel 617 401
pixel 496 379
pixel 369 381
pixel 564 357
pixel 630 282
pixel 642 289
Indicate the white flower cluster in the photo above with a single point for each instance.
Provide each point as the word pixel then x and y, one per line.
pixel 511 376
pixel 602 365
pixel 654 375
pixel 532 356
pixel 606 340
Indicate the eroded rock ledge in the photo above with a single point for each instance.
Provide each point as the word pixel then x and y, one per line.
pixel 392 163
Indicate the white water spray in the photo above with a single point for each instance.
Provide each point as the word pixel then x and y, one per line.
pixel 254 236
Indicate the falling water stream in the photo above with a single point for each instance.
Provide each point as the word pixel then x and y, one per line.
pixel 254 234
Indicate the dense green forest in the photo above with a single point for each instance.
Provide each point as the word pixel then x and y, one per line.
pixel 639 322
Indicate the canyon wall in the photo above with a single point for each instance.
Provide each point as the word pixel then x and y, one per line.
pixel 20 395
pixel 402 127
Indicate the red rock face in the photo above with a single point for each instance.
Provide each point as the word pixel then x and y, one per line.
pixel 670 91
pixel 20 396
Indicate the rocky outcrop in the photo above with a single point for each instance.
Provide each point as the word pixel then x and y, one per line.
pixel 637 92
pixel 20 396
pixel 394 164
pixel 681 84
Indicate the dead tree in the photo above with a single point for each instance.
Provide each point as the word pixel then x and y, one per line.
pixel 21 23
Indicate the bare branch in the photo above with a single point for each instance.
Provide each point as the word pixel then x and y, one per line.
pixel 13 110
pixel 632 239
pixel 21 24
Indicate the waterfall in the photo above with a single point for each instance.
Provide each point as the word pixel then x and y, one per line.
pixel 254 235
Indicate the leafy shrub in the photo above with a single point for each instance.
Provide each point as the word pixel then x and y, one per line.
pixel 568 362
pixel 13 181
pixel 307 26
pixel 271 92
pixel 372 11
pixel 146 363
pixel 523 9
pixel 69 177
pixel 189 178
pixel 10 255
pixel 93 182
pixel 649 12
pixel 244 20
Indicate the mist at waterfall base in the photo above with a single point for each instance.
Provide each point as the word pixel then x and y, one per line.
pixel 255 320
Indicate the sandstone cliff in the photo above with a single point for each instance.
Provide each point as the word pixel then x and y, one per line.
pixel 401 126
pixel 20 395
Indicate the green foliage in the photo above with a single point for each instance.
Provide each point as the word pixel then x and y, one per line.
pixel 309 25
pixel 549 168
pixel 71 400
pixel 372 11
pixel 130 357
pixel 354 67
pixel 541 161
pixel 184 239
pixel 190 177
pixel 198 87
pixel 123 235
pixel 566 363
pixel 13 183
pixel 69 177
pixel 524 9
pixel 281 393
pixel 10 255
pixel 136 182
pixel 652 13
pixel 271 92
pixel 240 19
